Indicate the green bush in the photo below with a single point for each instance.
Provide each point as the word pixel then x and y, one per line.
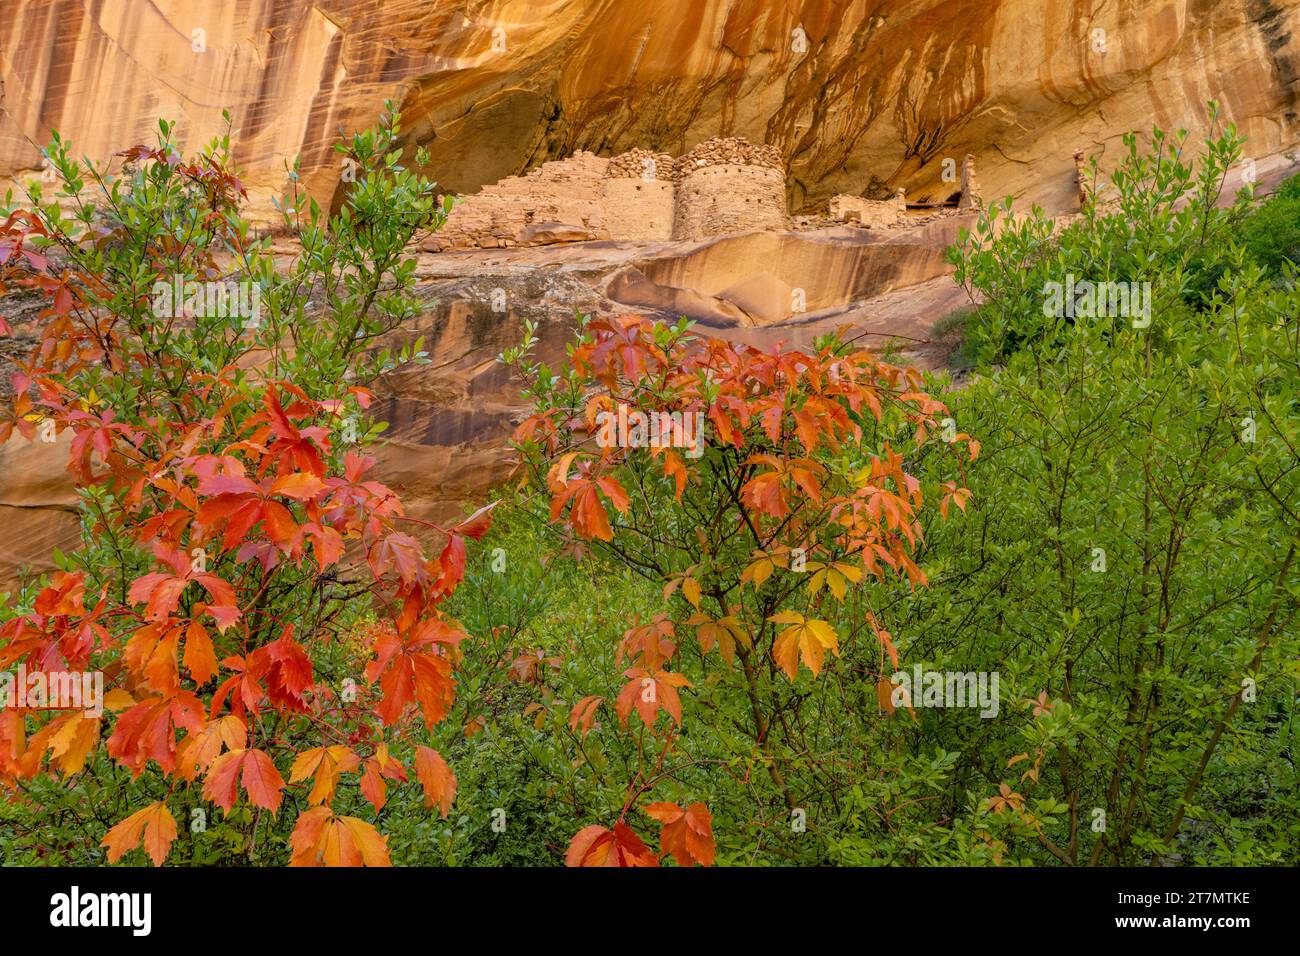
pixel 1130 547
pixel 1271 233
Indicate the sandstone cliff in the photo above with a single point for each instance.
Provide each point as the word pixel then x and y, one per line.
pixel 855 98
pixel 859 96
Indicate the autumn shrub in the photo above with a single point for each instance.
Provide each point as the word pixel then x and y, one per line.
pixel 266 623
pixel 777 516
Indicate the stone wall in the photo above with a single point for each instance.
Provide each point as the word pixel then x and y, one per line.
pixel 638 209
pixel 528 210
pixel 721 186
pixel 970 190
pixel 641 164
pixel 726 186
pixel 869 212
pixel 638 193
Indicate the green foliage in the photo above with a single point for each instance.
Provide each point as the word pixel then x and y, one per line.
pixel 1271 233
pixel 1130 548
pixel 1157 225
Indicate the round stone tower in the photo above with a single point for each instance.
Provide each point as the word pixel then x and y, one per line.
pixel 726 186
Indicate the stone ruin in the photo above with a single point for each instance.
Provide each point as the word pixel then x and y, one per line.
pixel 728 185
pixel 869 212
pixel 886 213
pixel 970 190
pixel 721 186
pixel 561 198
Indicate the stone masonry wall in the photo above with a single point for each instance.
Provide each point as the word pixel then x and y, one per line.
pixel 638 193
pixel 729 185
pixel 638 209
pixel 721 186
pixel 869 212
pixel 517 210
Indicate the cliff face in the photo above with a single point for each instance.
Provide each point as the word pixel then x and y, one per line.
pixel 856 97
pixel 860 96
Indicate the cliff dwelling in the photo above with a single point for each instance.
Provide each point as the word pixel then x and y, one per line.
pixel 723 186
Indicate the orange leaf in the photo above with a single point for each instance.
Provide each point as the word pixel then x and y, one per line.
pixel 322 839
pixel 325 764
pixel 153 827
pixel 598 846
pixel 436 777
pixel 261 781
pixel 687 834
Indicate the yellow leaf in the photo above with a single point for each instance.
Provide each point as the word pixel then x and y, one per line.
pixel 117 699
pixel 806 639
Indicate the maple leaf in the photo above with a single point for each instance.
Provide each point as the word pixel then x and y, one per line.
pixel 687 833
pixel 415 669
pixel 261 781
pixel 648 691
pixel 598 846
pixel 805 637
pixel 325 764
pixel 153 827
pixel 161 592
pixel 378 768
pixel 584 714
pixel 322 839
pixel 437 779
